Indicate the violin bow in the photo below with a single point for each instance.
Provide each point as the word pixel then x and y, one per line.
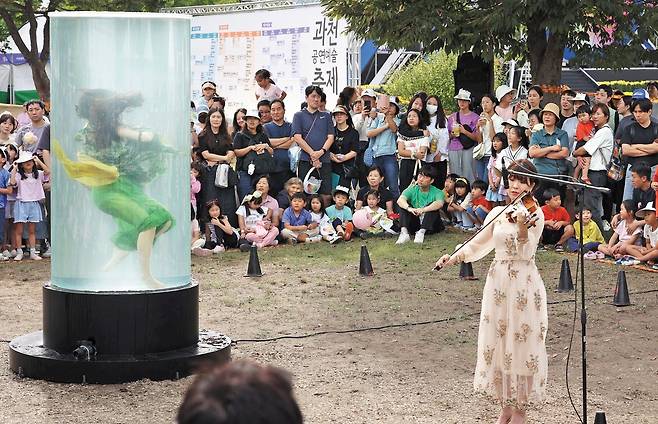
pixel 513 202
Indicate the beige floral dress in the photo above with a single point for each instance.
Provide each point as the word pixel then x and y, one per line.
pixel 511 358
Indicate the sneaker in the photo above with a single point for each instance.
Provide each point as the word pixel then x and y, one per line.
pixel 47 253
pixel 419 238
pixel 218 248
pixel 630 262
pixel 600 255
pixel 34 256
pixel 606 226
pixel 198 243
pixel 9 255
pixel 335 238
pixel 404 237
pixel 19 255
pixel 3 258
pixel 559 248
pixel 199 251
pixel 349 227
pixel 314 239
pixel 290 241
pixel 471 229
pixel 590 255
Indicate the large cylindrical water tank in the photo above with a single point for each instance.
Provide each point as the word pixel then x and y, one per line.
pixel 120 117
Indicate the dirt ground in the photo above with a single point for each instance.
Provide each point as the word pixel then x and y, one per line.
pixel 417 373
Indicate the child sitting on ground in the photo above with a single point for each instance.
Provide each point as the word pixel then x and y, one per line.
pixel 448 195
pixel 220 235
pixel 372 219
pixel 648 252
pixel 375 182
pixel 195 184
pixel 480 206
pixel 621 237
pixel 298 224
pixel 255 222
pixel 339 214
pixel 584 132
pixel 592 237
pixel 461 200
pixel 319 216
pixel 557 223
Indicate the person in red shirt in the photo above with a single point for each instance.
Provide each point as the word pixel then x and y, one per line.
pixel 557 222
pixel 480 206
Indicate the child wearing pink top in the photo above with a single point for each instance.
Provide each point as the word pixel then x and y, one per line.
pixel 27 208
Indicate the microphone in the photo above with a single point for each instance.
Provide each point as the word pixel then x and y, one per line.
pixel 505 174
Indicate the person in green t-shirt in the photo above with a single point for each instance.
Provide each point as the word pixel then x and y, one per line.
pixel 419 207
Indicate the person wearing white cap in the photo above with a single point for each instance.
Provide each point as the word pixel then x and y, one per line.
pixel 649 251
pixel 464 136
pixel 208 90
pixel 504 95
pixel 254 152
pixel 363 119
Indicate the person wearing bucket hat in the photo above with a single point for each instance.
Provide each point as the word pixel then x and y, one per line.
pixel 649 251
pixel 464 136
pixel 549 148
pixel 504 96
pixel 313 131
pixel 28 182
pixel 254 152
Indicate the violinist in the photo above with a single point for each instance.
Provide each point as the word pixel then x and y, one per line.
pixel 511 357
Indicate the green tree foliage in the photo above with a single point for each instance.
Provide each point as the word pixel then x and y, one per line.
pixel 431 74
pixel 537 30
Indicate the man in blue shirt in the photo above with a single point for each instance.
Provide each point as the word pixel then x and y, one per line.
pixel 313 131
pixel 279 132
pixel 549 148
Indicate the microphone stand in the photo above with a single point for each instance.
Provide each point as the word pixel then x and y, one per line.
pixel 583 310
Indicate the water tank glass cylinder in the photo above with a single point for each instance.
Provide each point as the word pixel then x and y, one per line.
pixel 120 148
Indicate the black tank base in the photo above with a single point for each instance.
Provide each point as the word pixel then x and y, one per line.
pixel 29 358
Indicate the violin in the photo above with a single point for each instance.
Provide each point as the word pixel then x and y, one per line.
pixel 530 204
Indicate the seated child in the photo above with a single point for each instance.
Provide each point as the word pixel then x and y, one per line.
pixel 621 237
pixel 220 235
pixel 419 207
pixel 372 219
pixel 557 223
pixel 584 132
pixel 319 216
pixel 461 200
pixel 195 184
pixel 375 182
pixel 592 236
pixel 648 252
pixel 298 224
pixel 480 206
pixel 340 215
pixel 255 222
pixel 448 193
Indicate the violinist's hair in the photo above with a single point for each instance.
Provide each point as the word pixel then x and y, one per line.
pixel 522 165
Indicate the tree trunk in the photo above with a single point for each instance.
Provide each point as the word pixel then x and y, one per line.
pixel 41 79
pixel 545 53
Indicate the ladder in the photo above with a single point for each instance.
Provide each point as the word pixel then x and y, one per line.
pixel 395 61
pixel 524 80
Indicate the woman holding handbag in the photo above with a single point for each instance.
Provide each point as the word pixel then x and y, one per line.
pixel 464 136
pixel 254 153
pixel 217 150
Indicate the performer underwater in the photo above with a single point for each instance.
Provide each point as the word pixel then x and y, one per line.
pixel 116 162
pixel 511 357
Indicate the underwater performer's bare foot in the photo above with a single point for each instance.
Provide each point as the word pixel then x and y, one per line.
pixel 152 283
pixel 117 256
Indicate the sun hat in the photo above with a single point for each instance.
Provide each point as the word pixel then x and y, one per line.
pixel 463 95
pixel 208 84
pixel 503 90
pixel 339 109
pixel 511 122
pixel 249 197
pixel 553 108
pixel 253 113
pixel 342 189
pixel 648 208
pixel 579 97
pixel 640 93
pixel 369 92
pixel 24 157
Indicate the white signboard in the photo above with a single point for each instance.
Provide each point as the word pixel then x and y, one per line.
pixel 299 46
